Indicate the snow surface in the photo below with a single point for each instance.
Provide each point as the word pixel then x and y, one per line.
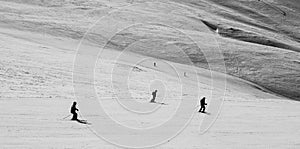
pixel 250 118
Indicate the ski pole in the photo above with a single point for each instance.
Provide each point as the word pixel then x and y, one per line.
pixel 67 116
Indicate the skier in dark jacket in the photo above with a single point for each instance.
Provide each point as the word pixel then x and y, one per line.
pixel 202 104
pixel 73 111
pixel 153 96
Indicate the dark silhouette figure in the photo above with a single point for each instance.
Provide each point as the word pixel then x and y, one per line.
pixel 73 111
pixel 154 64
pixel 153 96
pixel 202 104
pixel 75 115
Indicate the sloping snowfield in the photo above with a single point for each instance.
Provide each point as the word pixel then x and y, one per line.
pixel 43 69
pixel 249 118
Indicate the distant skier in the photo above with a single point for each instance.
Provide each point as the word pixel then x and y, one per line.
pixel 153 96
pixel 73 111
pixel 202 104
pixel 154 64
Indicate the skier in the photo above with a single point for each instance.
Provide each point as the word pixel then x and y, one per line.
pixel 73 111
pixel 202 104
pixel 153 96
pixel 154 64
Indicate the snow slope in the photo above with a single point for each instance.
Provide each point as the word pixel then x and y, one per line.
pixel 38 45
pixel 249 117
pixel 257 35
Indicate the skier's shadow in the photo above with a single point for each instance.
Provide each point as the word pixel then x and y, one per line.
pixel 207 113
pixel 83 122
pixel 159 103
